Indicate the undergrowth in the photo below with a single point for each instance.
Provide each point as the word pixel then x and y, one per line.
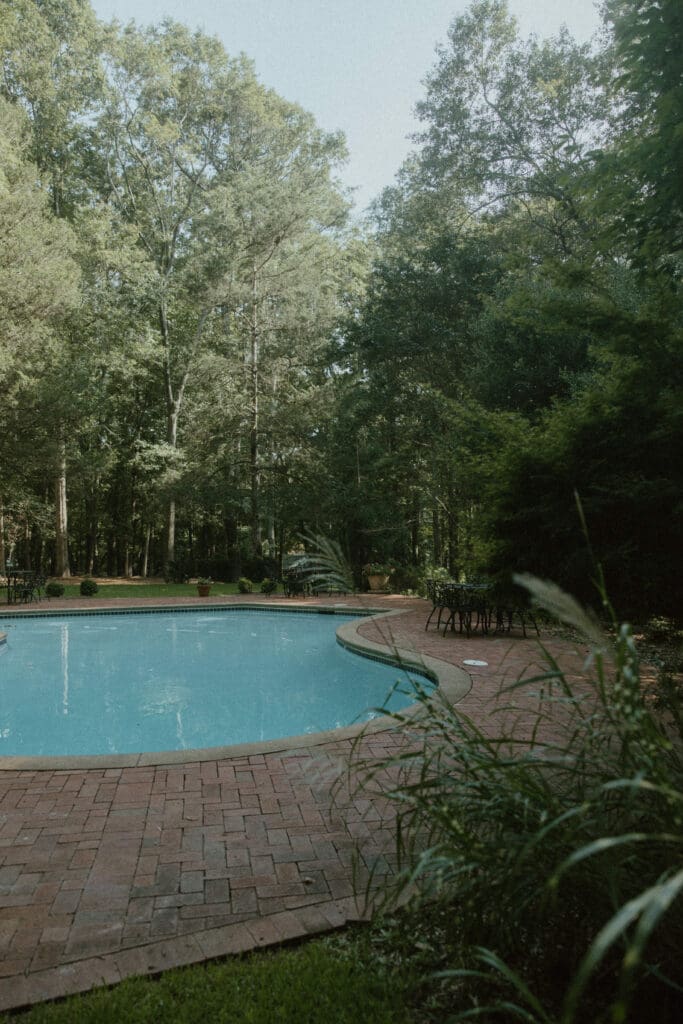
pixel 544 868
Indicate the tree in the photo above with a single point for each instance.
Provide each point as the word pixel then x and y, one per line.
pixel 512 124
pixel 38 276
pixel 641 171
pixel 38 286
pixel 219 178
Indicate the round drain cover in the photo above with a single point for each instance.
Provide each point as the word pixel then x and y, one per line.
pixel 474 661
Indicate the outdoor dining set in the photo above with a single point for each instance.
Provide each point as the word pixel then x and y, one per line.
pixel 23 585
pixel 475 606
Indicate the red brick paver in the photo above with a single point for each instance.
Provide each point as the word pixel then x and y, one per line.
pixel 110 872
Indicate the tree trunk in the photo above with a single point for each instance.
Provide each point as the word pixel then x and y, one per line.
pixel 436 536
pixel 144 570
pixel 92 524
pixel 415 531
pixel 452 522
pixel 62 567
pixel 169 539
pixel 2 537
pixel 254 431
pixel 172 412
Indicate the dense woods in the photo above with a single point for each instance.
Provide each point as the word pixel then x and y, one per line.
pixel 202 355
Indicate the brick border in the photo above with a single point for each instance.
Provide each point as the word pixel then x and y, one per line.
pixel 81 976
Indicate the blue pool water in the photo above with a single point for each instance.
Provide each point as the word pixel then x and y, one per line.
pixel 106 684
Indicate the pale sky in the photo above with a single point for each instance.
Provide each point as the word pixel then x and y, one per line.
pixel 356 65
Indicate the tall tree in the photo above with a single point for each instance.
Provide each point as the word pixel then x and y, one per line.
pixel 219 177
pixel 642 170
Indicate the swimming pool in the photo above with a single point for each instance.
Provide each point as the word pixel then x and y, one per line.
pixel 117 683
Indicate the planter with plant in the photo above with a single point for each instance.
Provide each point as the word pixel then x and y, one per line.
pixel 204 586
pixel 377 574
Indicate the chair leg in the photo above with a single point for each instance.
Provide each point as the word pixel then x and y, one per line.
pixel 449 620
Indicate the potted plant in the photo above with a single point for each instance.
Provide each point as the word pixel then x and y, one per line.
pixel 377 574
pixel 204 586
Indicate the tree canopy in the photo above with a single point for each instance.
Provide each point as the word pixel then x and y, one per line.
pixel 205 359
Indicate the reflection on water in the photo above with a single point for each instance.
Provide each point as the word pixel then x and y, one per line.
pixel 64 651
pixel 169 681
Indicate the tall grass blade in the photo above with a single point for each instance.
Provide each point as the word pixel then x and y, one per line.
pixel 651 904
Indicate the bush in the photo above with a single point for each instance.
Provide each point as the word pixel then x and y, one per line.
pixel 548 870
pixel 54 589
pixel 88 587
pixel 244 585
pixel 268 586
pixel 177 571
pixel 258 568
pixel 220 569
pixel 406 577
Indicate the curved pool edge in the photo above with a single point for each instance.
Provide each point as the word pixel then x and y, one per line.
pixel 453 683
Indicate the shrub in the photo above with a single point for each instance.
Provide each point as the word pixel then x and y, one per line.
pixel 268 586
pixel 258 568
pixel 548 871
pixel 406 577
pixel 377 569
pixel 218 568
pixel 177 571
pixel 54 589
pixel 244 585
pixel 88 587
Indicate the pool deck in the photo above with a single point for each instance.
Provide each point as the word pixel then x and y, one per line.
pixel 113 871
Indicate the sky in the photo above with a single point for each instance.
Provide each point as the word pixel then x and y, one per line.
pixel 356 65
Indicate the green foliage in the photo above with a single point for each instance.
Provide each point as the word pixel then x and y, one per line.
pixel 177 572
pixel 244 585
pixel 149 590
pixel 54 589
pixel 36 248
pixel 88 587
pixel 325 565
pixel 407 578
pixel 220 358
pixel 546 861
pixel 642 171
pixel 377 569
pixel 268 586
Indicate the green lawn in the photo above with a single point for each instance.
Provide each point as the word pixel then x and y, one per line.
pixel 315 983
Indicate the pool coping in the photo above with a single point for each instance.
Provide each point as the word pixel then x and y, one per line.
pixel 453 684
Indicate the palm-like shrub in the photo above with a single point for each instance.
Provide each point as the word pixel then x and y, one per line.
pixel 325 565
pixel 548 873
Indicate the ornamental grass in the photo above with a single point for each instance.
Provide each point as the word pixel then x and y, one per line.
pixel 543 876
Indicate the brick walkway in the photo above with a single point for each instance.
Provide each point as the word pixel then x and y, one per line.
pixel 110 872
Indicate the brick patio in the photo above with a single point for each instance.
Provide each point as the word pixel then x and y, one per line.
pixel 112 872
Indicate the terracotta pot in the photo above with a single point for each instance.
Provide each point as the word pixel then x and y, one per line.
pixel 203 589
pixel 378 582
